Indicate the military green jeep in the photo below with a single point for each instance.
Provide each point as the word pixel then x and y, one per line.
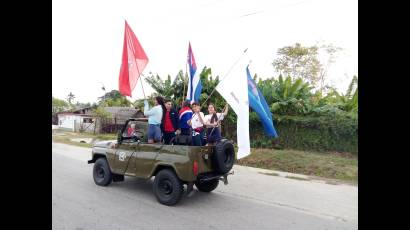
pixel 173 166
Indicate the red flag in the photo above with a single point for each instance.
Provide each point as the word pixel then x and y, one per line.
pixel 134 61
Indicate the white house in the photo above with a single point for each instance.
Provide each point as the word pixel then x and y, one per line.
pixel 83 120
pixel 76 122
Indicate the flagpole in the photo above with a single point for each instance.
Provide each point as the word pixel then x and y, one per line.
pixel 225 75
pixel 141 75
pixel 143 92
pixel 183 79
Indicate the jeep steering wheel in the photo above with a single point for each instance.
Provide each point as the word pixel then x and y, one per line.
pixel 137 137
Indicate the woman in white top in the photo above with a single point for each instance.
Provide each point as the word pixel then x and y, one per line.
pixel 212 122
pixel 197 123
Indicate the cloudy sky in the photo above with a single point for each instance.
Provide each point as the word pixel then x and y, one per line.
pixel 88 38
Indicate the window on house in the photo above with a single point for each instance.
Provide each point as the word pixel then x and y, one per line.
pixel 88 120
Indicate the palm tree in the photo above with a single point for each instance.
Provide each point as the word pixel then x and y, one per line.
pixel 70 97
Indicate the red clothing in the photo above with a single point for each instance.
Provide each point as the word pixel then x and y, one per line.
pixel 130 131
pixel 168 123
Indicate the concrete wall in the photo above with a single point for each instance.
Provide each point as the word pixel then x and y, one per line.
pixel 74 123
pixel 66 121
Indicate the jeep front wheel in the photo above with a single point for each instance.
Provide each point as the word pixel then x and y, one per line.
pixel 207 186
pixel 101 172
pixel 168 188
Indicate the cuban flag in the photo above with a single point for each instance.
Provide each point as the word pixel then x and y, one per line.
pixel 258 103
pixel 194 80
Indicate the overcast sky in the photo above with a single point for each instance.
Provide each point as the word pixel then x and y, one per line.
pixel 88 38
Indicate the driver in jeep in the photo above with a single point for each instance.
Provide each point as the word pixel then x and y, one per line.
pixel 131 130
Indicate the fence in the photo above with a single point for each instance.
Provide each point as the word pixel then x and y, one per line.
pixel 110 125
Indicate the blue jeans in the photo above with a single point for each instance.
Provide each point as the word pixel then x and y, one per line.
pixel 154 133
pixel 198 139
pixel 215 136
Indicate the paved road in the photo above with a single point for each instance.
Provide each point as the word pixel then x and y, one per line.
pixel 251 201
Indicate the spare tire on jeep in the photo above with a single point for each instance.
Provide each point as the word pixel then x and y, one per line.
pixel 224 156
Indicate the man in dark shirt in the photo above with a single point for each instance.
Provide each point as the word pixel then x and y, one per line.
pixel 169 123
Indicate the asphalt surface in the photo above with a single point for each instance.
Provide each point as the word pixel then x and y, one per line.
pixel 251 200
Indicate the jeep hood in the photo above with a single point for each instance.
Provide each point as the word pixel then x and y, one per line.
pixel 104 144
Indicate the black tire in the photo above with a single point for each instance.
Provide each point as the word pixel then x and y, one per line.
pixel 168 188
pixel 207 186
pixel 224 156
pixel 101 172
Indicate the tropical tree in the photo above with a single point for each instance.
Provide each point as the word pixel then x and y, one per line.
pixel 82 105
pixel 303 62
pixel 114 98
pixel 266 88
pixel 100 112
pixel 174 90
pixel 291 96
pixel 299 62
pixel 209 84
pixel 162 87
pixel 336 102
pixel 113 94
pixel 58 105
pixel 70 97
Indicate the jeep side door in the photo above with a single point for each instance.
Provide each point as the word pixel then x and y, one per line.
pixel 124 160
pixel 146 158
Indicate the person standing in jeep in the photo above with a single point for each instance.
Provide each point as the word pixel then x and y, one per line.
pixel 155 115
pixel 197 123
pixel 213 122
pixel 185 114
pixel 169 125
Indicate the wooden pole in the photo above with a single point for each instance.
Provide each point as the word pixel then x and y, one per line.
pixel 143 92
pixel 230 69
pixel 185 78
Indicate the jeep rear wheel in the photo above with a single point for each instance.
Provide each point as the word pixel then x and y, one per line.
pixel 207 186
pixel 101 172
pixel 168 188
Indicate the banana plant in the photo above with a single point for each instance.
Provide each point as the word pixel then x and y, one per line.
pixel 290 96
pixel 347 102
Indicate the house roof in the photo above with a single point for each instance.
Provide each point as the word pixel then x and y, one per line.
pixel 118 109
pixel 78 109
pixel 76 114
pixel 122 113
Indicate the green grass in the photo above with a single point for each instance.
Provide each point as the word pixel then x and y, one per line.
pixel 64 141
pixel 339 166
pixel 68 135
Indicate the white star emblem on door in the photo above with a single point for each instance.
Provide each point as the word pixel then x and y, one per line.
pixel 122 156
